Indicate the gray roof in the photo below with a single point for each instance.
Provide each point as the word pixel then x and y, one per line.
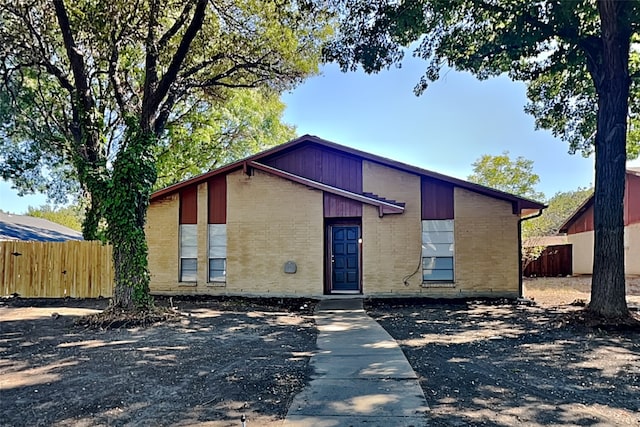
pixel 23 227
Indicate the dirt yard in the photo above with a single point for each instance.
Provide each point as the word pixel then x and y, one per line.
pixel 506 364
pixel 227 358
pixel 480 363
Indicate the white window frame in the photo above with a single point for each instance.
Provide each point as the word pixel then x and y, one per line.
pixel 438 252
pixel 217 251
pixel 188 252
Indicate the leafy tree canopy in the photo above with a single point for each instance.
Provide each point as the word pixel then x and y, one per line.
pixel 580 62
pixel 247 122
pixel 542 43
pixel 561 206
pixel 69 216
pixel 93 89
pixel 512 176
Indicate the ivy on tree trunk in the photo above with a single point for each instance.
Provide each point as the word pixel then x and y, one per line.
pixel 125 210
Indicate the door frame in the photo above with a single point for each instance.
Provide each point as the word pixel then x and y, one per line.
pixel 328 273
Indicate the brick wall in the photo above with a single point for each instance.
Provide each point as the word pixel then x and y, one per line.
pixel 271 221
pixel 162 233
pixel 391 245
pixel 486 251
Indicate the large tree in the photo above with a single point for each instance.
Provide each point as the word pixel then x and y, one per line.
pixel 574 57
pixel 81 78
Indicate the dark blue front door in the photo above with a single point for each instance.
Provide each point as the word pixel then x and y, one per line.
pixel 345 258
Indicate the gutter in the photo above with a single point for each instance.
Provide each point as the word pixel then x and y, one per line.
pixel 520 221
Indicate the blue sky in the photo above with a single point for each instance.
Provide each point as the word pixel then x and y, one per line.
pixel 457 119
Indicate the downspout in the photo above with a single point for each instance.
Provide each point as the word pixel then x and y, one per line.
pixel 520 221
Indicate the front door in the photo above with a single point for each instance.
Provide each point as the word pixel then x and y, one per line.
pixel 345 259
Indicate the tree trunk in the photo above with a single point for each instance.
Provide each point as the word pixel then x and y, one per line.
pixel 611 79
pixel 125 209
pixel 92 217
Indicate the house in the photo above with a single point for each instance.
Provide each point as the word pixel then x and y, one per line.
pixel 579 229
pixel 312 218
pixel 24 227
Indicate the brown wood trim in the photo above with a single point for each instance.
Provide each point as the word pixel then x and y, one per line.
pixel 189 205
pixel 385 207
pixel 217 195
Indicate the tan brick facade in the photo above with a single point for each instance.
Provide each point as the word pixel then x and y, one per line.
pixel 486 241
pixel 162 231
pixel 391 245
pixel 271 220
pixel 486 251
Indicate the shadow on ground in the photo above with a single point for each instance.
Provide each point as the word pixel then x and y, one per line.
pixel 222 360
pixel 505 365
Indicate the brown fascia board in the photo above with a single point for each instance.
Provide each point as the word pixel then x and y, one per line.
pixel 574 216
pixel 519 203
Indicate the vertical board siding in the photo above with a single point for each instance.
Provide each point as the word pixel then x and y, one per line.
pixel 554 261
pixel 189 205
pixel 76 269
pixel 583 223
pixel 323 165
pixel 328 167
pixel 437 199
pixel 217 187
pixel 632 200
pixel 340 207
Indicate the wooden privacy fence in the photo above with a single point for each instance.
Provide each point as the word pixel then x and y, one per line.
pixel 554 261
pixel 77 269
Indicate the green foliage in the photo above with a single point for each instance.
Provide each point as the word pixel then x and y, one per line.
pixel 92 92
pixel 502 173
pixel 249 121
pixel 545 44
pixel 70 216
pixel 240 45
pixel 579 59
pixel 561 206
pixel 125 207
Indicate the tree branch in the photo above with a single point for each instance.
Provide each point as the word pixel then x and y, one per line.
pixel 113 73
pixel 176 25
pixel 75 58
pixel 178 58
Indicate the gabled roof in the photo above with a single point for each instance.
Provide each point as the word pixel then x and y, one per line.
pixel 587 204
pixel 520 203
pixel 24 227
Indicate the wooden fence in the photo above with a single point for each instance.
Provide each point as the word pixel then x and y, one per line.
pixel 554 261
pixel 76 269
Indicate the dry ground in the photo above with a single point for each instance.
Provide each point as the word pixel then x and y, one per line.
pixel 227 358
pixel 480 363
pixel 554 291
pixel 503 364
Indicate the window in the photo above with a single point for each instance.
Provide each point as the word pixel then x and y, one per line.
pixel 217 254
pixel 437 250
pixel 188 253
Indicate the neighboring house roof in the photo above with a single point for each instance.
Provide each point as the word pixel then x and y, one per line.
pixel 521 205
pixel 545 241
pixel 564 228
pixel 23 227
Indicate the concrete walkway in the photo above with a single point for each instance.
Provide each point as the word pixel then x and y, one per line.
pixel 361 376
